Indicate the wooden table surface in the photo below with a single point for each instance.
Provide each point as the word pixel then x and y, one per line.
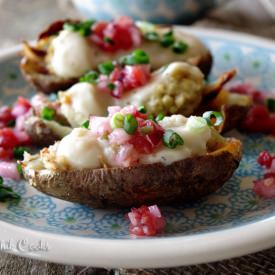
pixel 17 23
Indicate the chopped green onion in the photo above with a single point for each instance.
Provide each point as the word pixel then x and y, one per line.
pixel 160 117
pixel 84 28
pixel 106 68
pixel 196 123
pixel 130 124
pixel 90 77
pixel 136 57
pixel 210 116
pixel 108 40
pixel 18 152
pixel 171 139
pixel 151 117
pixel 47 113
pixel 19 169
pixel 85 124
pixel 270 103
pixel 179 47
pixel 167 39
pixel 145 130
pixel 142 109
pixel 152 36
pixel 145 27
pixel 117 121
pixel 111 86
pixel 11 123
pixel 6 193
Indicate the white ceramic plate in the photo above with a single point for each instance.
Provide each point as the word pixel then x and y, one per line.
pixel 232 222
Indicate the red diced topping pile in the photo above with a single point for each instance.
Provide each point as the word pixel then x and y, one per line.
pixel 132 131
pixel 259 118
pixel 124 79
pixel 146 221
pixel 266 187
pixel 119 34
pixel 12 135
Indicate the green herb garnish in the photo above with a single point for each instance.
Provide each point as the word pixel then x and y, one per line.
pixel 171 139
pixel 152 36
pixel 213 118
pixel 130 124
pixel 142 109
pixel 111 86
pixel 18 152
pixel 179 47
pixel 19 169
pixel 160 117
pixel 106 68
pixel 85 124
pixel 90 77
pixel 136 57
pixel 48 113
pixel 83 28
pixel 6 193
pixel 270 103
pixel 117 121
pixel 11 123
pixel 167 39
pixel 108 40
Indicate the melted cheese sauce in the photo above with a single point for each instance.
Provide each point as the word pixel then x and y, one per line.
pixel 81 101
pixel 80 149
pixel 195 141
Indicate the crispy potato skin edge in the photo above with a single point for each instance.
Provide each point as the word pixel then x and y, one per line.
pixel 182 181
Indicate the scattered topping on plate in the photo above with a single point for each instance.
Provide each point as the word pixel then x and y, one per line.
pixel 265 187
pixel 13 137
pixel 261 116
pixel 146 221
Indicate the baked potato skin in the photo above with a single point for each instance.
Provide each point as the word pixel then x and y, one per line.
pixel 35 71
pixel 40 133
pixel 182 181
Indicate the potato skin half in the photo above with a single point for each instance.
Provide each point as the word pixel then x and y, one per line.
pixel 182 181
pixel 34 68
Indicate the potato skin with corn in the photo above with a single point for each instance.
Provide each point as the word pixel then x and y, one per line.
pixel 174 89
pixel 179 182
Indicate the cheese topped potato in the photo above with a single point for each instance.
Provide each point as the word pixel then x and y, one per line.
pixel 68 49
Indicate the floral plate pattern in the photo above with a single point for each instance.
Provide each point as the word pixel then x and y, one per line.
pixel 234 205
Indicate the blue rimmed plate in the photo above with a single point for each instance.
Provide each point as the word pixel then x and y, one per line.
pixel 230 222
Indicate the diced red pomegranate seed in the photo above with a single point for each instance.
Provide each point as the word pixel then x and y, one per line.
pixel 146 221
pixel 265 187
pixel 6 116
pixel 6 154
pixel 8 139
pixel 265 159
pixel 119 34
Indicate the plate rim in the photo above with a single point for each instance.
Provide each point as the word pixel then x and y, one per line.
pixel 163 252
